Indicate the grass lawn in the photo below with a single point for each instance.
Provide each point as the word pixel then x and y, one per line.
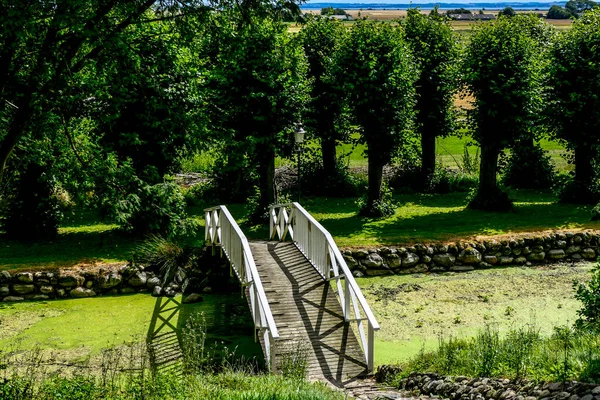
pixel 459 304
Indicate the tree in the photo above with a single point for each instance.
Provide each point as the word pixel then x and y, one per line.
pixel 256 91
pixel 377 72
pixel 502 72
pixel 326 115
pixel 507 11
pixel 436 51
pixel 576 7
pixel 458 11
pixel 574 106
pixel 557 12
pixel 44 45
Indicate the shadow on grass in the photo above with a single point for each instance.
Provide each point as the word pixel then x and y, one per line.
pixel 67 249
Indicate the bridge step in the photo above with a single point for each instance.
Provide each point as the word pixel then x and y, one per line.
pixel 308 314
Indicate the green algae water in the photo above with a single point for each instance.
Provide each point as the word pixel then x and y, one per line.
pixel 74 329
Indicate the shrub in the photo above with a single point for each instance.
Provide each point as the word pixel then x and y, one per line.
pixel 31 211
pixel 588 293
pixel 529 168
pixel 156 209
pixel 384 207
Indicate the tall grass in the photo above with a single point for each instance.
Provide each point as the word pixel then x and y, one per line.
pixel 126 373
pixel 568 354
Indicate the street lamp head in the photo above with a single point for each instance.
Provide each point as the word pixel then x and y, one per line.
pixel 299 134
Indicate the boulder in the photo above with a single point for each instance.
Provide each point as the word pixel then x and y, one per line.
pixel 462 268
pixel 573 249
pixel 43 277
pixel 46 289
pixel 506 260
pixel 491 259
pixel 138 279
pixel 372 261
pixel 4 290
pixel 350 262
pixel 393 260
pixel 13 298
pixel 539 256
pixel 379 271
pixel 520 260
pixel 360 254
pixel 69 281
pixel 23 288
pixel 556 254
pixel 24 277
pixel 561 244
pixel 588 254
pixel 410 260
pixel 417 269
pixel 157 291
pixel 109 281
pixel 469 255
pixel 357 274
pixel 126 290
pixel 5 276
pixel 38 297
pixel 80 292
pixel 152 282
pixel 192 298
pixel 445 260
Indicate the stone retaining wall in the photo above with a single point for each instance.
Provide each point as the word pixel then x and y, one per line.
pixel 456 388
pixel 466 256
pixel 64 283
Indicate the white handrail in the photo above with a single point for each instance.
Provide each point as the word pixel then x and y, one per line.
pixel 222 230
pixel 316 243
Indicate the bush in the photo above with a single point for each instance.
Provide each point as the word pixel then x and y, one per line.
pixel 499 201
pixel 385 207
pixel 152 209
pixel 317 183
pixel 30 209
pixel 589 295
pixel 572 192
pixel 529 168
pixel 557 12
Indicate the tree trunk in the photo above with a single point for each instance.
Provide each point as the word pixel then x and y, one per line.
pixel 584 171
pixel 375 179
pixel 488 170
pixel 266 173
pixel 329 157
pixel 15 131
pixel 427 155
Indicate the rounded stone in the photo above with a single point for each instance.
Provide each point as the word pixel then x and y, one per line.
pixel 24 277
pixel 80 292
pixel 445 260
pixel 23 288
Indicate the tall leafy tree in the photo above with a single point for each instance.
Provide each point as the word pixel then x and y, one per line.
pixel 44 45
pixel 436 51
pixel 502 71
pixel 256 92
pixel 326 114
pixel 376 70
pixel 574 105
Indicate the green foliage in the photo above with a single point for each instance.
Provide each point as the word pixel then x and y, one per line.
pixel 332 11
pixel 159 208
pixel 256 89
pixel 375 69
pixel 588 293
pixel 522 353
pixel 458 11
pixel 436 52
pixel 31 210
pixel 528 167
pixel 507 12
pixel 381 208
pixel 557 12
pixel 573 110
pixel 576 7
pixel 326 115
pixel 503 72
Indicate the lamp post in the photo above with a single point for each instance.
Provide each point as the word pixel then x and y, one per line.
pixel 298 140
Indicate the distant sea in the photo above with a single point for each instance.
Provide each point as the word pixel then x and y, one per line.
pixel 443 6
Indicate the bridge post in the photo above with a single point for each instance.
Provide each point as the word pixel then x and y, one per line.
pixel 370 347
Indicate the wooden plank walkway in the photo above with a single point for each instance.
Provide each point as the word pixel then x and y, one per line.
pixel 308 314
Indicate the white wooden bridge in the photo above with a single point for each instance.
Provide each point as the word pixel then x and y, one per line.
pixel 302 295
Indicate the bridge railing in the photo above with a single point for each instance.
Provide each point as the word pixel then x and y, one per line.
pixel 222 230
pixel 319 248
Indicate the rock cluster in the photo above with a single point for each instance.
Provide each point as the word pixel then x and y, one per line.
pixel 460 387
pixel 466 256
pixel 44 285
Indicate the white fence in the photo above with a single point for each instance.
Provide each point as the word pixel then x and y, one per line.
pixel 222 230
pixel 320 249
